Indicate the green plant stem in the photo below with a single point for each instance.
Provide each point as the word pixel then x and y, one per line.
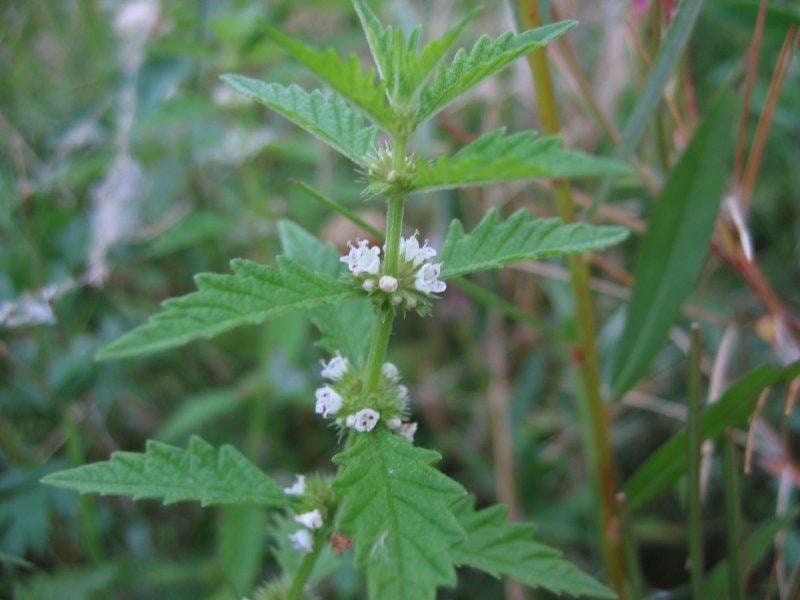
pixel 695 442
pixel 391 260
pixel 86 509
pixel 598 438
pixel 295 591
pixel 733 519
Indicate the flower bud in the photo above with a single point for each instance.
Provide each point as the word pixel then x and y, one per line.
pixel 388 284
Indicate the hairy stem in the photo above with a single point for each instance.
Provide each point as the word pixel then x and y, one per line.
pixel 295 591
pixel 598 439
pixel 394 229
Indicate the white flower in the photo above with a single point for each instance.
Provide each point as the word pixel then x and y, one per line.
pixel 368 285
pixel 411 251
pixel 390 371
pixel 350 421
pixel 403 390
pixel 407 430
pixel 394 424
pixel 362 258
pixel 427 279
pixel 335 368
pixel 298 488
pixel 328 401
pixel 365 419
pixel 388 284
pixel 312 519
pixel 302 541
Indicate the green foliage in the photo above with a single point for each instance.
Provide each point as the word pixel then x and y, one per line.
pixel 347 327
pixel 757 546
pixel 396 508
pixel 494 242
pixel 241 531
pixel 486 58
pixel 75 584
pixel 196 412
pixel 200 473
pixel 733 408
pixel 508 549
pixel 345 76
pixel 400 62
pixel 330 118
pixel 495 157
pixel 674 248
pixel 250 296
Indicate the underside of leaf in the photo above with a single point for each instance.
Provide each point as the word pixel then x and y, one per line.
pixel 346 76
pixel 330 118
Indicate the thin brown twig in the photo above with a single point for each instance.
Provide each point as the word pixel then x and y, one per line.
pixel 752 68
pixel 765 120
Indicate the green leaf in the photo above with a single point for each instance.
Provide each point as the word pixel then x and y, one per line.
pixel 508 549
pixel 734 407
pixel 494 242
pixel 360 87
pixel 196 411
pixel 250 296
pixel 495 157
pixel 330 118
pixel 758 544
pixel 381 40
pixel 396 508
pixel 241 532
pixel 200 473
pixel 346 327
pixel 418 67
pixel 674 247
pixel 486 58
pixel 74 583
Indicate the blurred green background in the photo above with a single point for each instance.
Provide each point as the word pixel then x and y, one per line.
pixel 126 167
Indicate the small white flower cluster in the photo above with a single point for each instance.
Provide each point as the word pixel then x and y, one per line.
pixel 303 539
pixel 416 274
pixel 392 402
pixel 329 401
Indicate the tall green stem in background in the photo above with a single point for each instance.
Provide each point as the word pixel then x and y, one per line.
pixel 598 439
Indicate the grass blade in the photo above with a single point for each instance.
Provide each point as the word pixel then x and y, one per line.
pixel 668 463
pixel 733 520
pixel 694 439
pixel 674 247
pixel 650 98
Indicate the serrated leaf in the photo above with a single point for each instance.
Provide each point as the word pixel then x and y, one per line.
pixel 396 508
pixel 667 464
pixel 486 58
pixel 200 473
pixel 330 118
pixel 250 296
pixel 346 327
pixel 495 157
pixel 346 76
pixel 419 66
pixel 402 66
pixel 675 245
pixel 508 549
pixel 494 242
